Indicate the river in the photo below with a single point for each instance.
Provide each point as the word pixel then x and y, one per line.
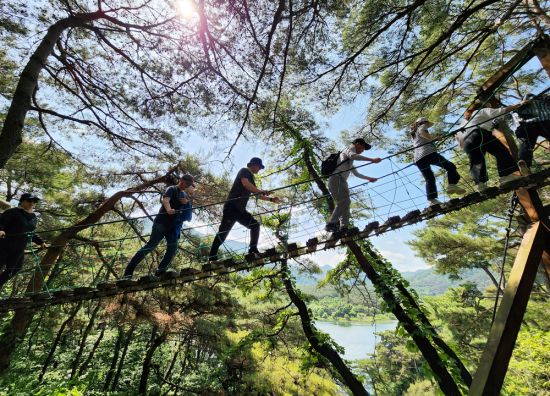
pixel 358 339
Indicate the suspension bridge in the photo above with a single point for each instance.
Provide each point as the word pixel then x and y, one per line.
pixel 270 256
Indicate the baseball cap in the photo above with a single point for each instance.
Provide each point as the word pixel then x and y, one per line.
pixel 424 120
pixel 362 141
pixel 256 161
pixel 189 179
pixel 28 197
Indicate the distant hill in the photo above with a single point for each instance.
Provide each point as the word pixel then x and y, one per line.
pixel 428 283
pixel 425 282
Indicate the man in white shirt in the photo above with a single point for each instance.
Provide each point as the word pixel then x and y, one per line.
pixel 338 183
pixel 477 139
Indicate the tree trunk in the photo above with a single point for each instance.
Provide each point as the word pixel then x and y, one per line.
pixel 23 317
pixel 56 341
pixel 11 134
pixel 92 352
pixel 123 357
pixel 114 360
pixel 324 349
pixel 464 373
pixel 146 368
pixel 76 361
pixel 443 377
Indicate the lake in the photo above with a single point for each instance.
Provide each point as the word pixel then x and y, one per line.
pixel 358 339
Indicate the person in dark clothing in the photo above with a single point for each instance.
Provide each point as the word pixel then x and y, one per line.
pixel 17 227
pixel 174 210
pixel 533 121
pixel 234 209
pixel 477 139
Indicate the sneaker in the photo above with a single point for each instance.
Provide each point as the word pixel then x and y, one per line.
pixel 455 189
pixel 434 201
pixel 331 227
pixel 159 273
pixel 213 258
pixel 523 168
pixel 255 252
pixel 509 178
pixel 481 187
pixel 126 277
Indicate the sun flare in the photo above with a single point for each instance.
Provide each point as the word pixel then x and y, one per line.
pixel 186 8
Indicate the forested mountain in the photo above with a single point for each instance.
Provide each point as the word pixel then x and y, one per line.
pixel 111 111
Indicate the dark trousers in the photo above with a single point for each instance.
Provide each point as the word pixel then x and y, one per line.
pixel 229 218
pixel 424 164
pixel 528 134
pixel 13 262
pixel 158 233
pixel 479 142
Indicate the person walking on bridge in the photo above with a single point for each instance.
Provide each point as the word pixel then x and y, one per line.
pixel 234 208
pixel 425 155
pixel 17 227
pixel 167 225
pixel 477 139
pixel 338 183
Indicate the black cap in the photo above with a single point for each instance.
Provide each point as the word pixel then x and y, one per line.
pixel 189 179
pixel 28 197
pixel 362 141
pixel 256 161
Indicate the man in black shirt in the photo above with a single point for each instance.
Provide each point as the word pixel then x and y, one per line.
pixel 17 227
pixel 174 200
pixel 234 209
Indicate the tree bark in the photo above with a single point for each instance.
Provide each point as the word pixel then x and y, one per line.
pixel 76 361
pixel 56 341
pixel 443 377
pixel 23 317
pixel 325 350
pixel 123 357
pixel 92 352
pixel 11 135
pixel 114 360
pixel 146 368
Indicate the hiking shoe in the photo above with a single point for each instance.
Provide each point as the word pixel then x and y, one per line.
pixel 158 273
pixel 254 251
pixel 126 277
pixel 481 187
pixel 455 189
pixel 213 258
pixel 509 178
pixel 331 227
pixel 523 168
pixel 434 201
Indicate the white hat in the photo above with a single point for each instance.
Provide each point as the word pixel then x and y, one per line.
pixel 424 120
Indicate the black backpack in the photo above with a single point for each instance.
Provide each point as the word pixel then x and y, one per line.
pixel 329 164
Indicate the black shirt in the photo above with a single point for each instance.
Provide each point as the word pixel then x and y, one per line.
pixel 238 195
pixel 174 193
pixel 16 222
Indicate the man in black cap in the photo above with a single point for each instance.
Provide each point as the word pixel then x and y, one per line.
pixel 165 226
pixel 17 227
pixel 338 183
pixel 234 209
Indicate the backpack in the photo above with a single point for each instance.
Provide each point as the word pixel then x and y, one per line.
pixel 329 164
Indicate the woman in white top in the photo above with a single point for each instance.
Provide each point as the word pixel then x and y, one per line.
pixel 425 155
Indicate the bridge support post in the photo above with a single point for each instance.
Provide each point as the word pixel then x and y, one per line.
pixel 535 245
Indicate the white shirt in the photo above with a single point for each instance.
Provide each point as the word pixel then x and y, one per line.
pixel 347 166
pixel 422 143
pixel 483 118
